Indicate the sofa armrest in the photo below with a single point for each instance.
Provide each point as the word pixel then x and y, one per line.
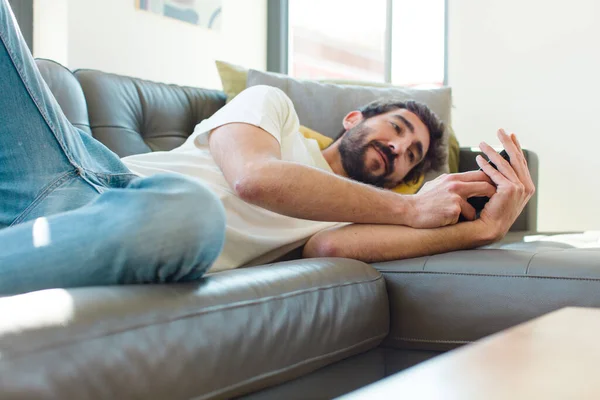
pixel 527 221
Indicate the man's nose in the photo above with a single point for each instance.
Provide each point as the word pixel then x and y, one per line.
pixel 397 147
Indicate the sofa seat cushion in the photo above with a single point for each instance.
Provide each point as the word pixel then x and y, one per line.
pixel 229 334
pixel 446 300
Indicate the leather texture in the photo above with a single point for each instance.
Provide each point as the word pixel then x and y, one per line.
pixel 527 221
pixel 443 301
pixel 67 91
pixel 232 333
pixel 331 381
pixel 133 116
pixel 345 376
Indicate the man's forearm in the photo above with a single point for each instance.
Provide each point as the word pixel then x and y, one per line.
pixel 304 192
pixel 377 243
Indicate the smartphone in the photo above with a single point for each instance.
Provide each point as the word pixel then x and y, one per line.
pixel 504 155
pixel 479 202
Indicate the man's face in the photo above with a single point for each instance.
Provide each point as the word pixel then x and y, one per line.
pixel 381 150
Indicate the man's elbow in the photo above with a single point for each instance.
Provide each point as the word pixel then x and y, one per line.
pixel 249 188
pixel 322 245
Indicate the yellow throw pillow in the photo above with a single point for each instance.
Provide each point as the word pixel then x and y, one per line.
pixel 325 141
pixel 453 151
pixel 233 78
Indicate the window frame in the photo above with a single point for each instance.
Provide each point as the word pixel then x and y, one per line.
pixel 278 38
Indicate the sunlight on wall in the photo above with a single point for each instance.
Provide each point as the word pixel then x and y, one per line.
pixel 122 39
pixel 51 30
pixel 418 42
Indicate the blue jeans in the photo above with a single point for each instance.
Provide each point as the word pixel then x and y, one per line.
pixel 71 214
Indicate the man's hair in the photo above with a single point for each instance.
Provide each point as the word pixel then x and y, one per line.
pixel 436 154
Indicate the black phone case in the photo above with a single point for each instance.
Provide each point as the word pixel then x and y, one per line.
pixel 479 202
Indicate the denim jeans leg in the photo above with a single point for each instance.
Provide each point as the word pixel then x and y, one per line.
pixel 159 229
pixel 59 227
pixel 39 149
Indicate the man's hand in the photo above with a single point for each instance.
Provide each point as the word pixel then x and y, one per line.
pixel 514 186
pixel 442 201
pixel 378 243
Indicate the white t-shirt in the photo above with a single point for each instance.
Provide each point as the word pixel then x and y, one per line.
pixel 253 234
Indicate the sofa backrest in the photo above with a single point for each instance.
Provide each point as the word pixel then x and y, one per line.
pixel 67 91
pixel 133 116
pixel 129 115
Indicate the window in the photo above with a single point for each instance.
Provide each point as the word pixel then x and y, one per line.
pixel 337 39
pixel 417 42
pixel 397 41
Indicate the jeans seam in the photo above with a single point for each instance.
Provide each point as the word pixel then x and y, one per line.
pixel 42 195
pixel 35 101
pixel 108 175
pixel 106 179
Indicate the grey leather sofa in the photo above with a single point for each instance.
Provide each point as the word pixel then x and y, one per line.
pixel 296 329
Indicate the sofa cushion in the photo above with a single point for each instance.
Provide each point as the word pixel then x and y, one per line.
pixel 443 301
pixel 67 92
pixel 132 116
pixel 231 333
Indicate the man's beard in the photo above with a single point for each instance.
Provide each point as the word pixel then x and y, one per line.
pixel 353 151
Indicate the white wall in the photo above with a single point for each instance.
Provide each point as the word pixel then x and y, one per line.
pixel 51 30
pixel 111 35
pixel 532 67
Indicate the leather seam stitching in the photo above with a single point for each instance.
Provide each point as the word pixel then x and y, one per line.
pixel 567 278
pixel 441 341
pixel 135 131
pixel 114 126
pixel 529 263
pixel 425 263
pixel 191 106
pixel 163 136
pixel 209 310
pixel 287 368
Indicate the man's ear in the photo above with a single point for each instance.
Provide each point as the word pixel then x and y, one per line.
pixel 352 119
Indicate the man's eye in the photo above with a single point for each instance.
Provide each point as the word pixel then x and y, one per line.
pixel 396 127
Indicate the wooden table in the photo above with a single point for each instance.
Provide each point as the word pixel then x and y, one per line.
pixel 556 356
